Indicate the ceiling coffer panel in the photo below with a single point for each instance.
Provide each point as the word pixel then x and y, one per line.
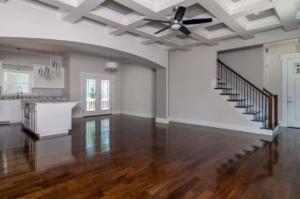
pixel 126 18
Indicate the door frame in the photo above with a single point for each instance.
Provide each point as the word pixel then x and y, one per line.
pixel 284 78
pixel 98 75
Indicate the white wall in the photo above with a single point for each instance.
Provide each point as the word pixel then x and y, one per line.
pixel 137 88
pixel 78 64
pixel 274 78
pixel 248 62
pixel 191 97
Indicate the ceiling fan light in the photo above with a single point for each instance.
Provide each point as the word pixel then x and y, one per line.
pixel 176 26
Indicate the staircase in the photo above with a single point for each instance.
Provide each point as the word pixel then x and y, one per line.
pixel 258 105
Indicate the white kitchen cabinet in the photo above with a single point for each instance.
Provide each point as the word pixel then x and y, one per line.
pixel 10 110
pixel 55 80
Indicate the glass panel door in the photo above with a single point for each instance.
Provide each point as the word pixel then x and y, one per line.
pixel 105 105
pixel 96 96
pixel 90 95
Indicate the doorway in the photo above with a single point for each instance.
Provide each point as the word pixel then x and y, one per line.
pixel 291 89
pixel 97 94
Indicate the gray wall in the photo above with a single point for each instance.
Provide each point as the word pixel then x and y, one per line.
pixel 78 64
pixel 191 96
pixel 248 62
pixel 137 90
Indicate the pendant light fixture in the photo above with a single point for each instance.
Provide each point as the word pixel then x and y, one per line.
pixel 18 58
pixel 50 61
pixel 111 66
pixel 41 57
pixel 55 65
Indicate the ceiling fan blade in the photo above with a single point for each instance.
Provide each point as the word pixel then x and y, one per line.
pixel 163 29
pixel 197 21
pixel 184 30
pixel 180 13
pixel 157 20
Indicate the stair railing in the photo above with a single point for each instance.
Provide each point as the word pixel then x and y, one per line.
pixel 255 101
pixel 275 106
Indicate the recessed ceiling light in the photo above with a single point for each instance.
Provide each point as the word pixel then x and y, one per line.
pixel 259 13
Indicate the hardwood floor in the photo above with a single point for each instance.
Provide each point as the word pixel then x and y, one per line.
pixel 129 157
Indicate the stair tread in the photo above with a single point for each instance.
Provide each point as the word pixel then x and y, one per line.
pixel 243 106
pixel 252 112
pixel 222 83
pixel 260 119
pixel 224 88
pixel 229 94
pixel 236 100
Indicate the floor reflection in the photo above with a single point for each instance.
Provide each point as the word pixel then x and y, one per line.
pixel 26 153
pixel 105 141
pixel 90 136
pixel 97 136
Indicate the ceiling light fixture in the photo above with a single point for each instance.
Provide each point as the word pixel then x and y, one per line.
pixel 111 66
pixel 176 26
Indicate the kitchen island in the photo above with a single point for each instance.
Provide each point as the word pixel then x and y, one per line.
pixel 47 118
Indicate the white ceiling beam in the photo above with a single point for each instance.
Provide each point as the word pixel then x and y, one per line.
pixel 214 8
pixel 250 9
pixel 85 7
pixel 286 11
pixel 203 39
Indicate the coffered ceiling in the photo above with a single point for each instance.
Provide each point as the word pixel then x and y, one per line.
pixel 231 18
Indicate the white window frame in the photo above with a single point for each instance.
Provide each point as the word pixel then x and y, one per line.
pixel 15 71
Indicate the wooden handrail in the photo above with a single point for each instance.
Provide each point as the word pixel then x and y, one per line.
pixel 265 90
pixel 275 97
pixel 242 78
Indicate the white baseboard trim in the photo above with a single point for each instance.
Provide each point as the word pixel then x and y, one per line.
pixel 136 114
pixel 249 129
pixel 162 120
pixel 121 112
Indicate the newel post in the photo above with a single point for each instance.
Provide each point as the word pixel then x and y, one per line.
pixel 270 112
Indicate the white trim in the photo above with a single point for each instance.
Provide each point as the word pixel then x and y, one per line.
pixel 146 115
pixel 285 59
pixel 162 120
pixel 249 129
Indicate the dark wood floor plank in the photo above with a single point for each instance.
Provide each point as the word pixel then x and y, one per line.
pixel 129 157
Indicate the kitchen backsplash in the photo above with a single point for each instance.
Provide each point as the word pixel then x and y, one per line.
pixel 47 92
pixel 36 93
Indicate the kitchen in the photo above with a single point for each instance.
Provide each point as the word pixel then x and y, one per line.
pixel 31 92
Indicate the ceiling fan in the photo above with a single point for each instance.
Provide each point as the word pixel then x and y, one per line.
pixel 177 22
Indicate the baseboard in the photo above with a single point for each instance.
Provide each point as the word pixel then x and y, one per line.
pixel 136 114
pixel 248 129
pixel 162 120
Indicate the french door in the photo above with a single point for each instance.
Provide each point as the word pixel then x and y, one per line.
pixel 97 95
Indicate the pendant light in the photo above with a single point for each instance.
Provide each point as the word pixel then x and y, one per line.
pixel 49 68
pixel 111 66
pixel 18 58
pixel 55 65
pixel 41 57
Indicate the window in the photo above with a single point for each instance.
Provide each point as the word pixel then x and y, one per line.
pixel 16 81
